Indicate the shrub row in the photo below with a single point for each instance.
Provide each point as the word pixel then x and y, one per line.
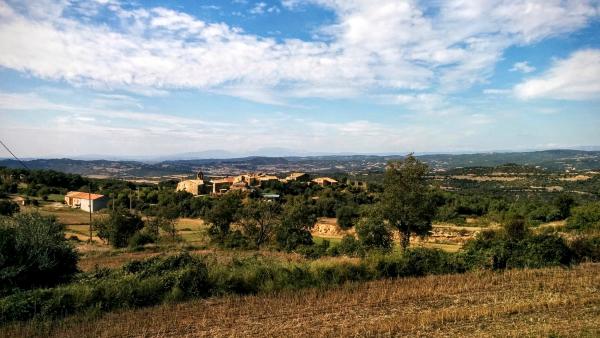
pixel 184 276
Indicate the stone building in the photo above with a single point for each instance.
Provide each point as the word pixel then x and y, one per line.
pixel 195 187
pixel 324 181
pixel 303 177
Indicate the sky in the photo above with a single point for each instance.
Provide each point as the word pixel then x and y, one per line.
pixel 154 78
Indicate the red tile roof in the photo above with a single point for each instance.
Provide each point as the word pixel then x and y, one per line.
pixel 83 195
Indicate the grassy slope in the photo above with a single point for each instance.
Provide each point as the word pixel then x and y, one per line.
pixel 513 303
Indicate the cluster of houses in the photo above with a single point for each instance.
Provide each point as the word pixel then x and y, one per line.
pixel 199 186
pixel 245 182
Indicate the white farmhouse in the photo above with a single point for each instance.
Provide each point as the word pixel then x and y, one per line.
pixel 83 200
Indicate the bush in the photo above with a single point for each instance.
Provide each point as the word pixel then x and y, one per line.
pixel 316 250
pixel 34 253
pixel 585 217
pixel 350 246
pixel 137 284
pixel 119 227
pixel 516 228
pixel 586 249
pixel 417 262
pixel 236 240
pixel 141 238
pixel 8 208
pixel 345 216
pixel 373 234
pixel 497 251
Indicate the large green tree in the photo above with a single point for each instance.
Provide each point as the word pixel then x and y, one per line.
pixel 406 202
pixel 224 211
pixel 297 219
pixel 260 218
pixel 118 227
pixel 34 252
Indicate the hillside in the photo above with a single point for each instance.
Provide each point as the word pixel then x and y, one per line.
pixel 552 160
pixel 517 303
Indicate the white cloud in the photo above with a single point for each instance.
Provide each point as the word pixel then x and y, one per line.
pixel 497 91
pixel 262 8
pixel 522 67
pixel 373 45
pixel 574 78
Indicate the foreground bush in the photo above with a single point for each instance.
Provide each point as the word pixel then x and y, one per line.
pixel 586 249
pixel 137 284
pixel 418 262
pixel 174 278
pixel 8 208
pixel 34 253
pixel 497 250
pixel 184 276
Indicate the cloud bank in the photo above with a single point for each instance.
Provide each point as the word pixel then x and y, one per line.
pixel 373 45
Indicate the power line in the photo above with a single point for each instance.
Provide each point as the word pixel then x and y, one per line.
pixel 15 156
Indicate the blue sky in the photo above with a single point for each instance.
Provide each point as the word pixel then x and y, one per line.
pixel 148 78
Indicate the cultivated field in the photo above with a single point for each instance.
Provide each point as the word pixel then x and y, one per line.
pixel 517 303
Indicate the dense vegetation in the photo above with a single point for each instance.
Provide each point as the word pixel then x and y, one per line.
pixel 34 253
pixel 39 277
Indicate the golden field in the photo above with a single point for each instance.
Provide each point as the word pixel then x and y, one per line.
pixel 516 303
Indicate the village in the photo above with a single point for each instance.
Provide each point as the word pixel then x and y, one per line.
pixel 201 186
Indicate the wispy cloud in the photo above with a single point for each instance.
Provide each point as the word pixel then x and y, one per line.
pixel 522 67
pixel 574 78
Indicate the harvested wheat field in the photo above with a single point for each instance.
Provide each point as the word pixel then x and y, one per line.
pixel 554 301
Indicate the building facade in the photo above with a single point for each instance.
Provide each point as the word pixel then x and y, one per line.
pixel 86 201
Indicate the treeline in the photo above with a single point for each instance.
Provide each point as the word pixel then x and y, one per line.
pixel 456 207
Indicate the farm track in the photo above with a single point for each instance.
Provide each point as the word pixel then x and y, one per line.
pixel 513 303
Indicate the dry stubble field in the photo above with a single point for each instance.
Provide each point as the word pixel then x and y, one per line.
pixel 517 303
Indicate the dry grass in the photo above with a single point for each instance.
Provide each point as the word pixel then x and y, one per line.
pixel 63 213
pixel 514 303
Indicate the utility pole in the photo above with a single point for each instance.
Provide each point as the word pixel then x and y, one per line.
pixel 90 207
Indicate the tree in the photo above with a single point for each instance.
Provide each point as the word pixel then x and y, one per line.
pixel 34 252
pixel 406 202
pixel 222 214
pixel 163 223
pixel 515 228
pixel 167 218
pixel 564 203
pixel 372 231
pixel 297 218
pixel 8 208
pixel 345 216
pixel 118 227
pixel 260 219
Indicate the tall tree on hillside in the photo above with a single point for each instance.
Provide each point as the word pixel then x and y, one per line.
pixel 297 219
pixel 260 219
pixel 222 214
pixel 406 202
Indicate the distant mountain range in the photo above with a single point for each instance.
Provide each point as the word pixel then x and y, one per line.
pixel 274 152
pixel 556 160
